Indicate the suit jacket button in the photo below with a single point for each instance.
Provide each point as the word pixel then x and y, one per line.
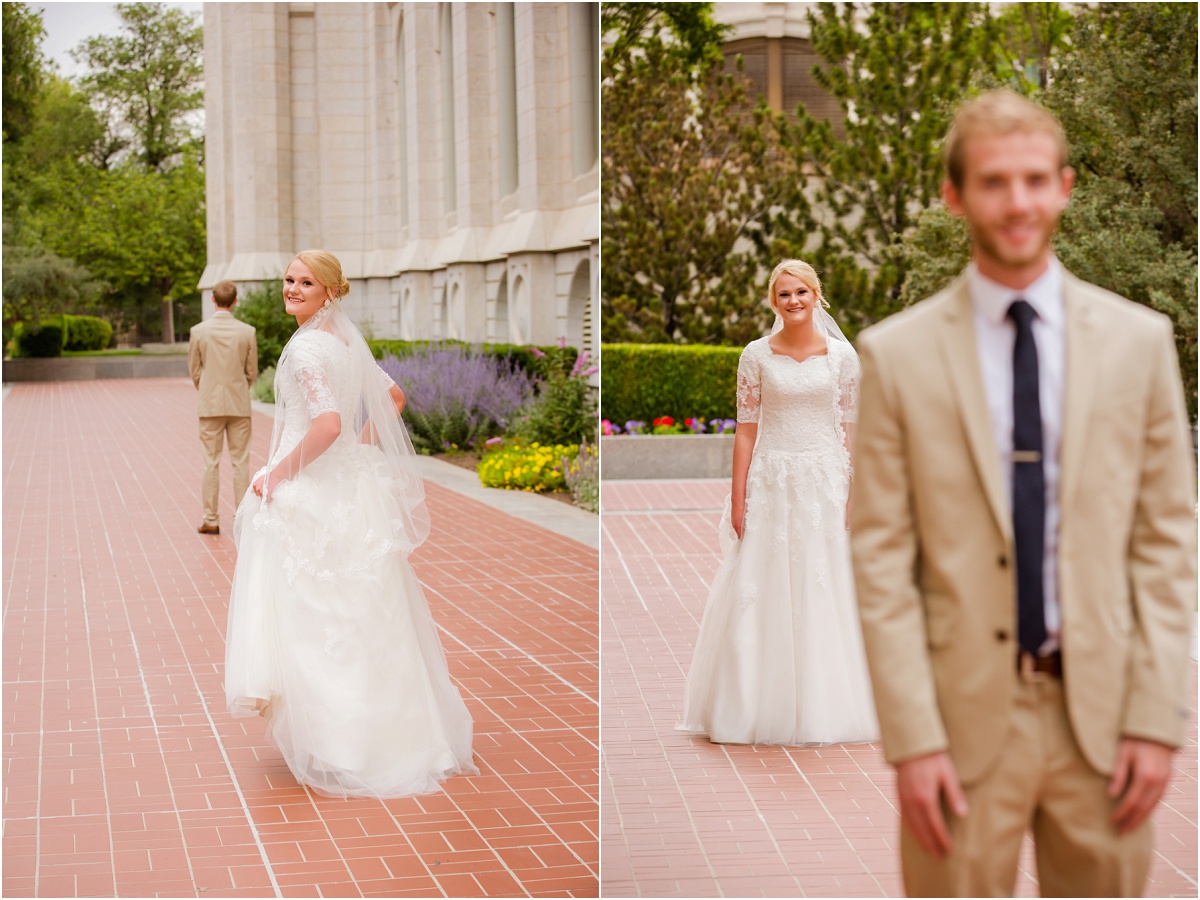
pixel 1003 561
pixel 1001 635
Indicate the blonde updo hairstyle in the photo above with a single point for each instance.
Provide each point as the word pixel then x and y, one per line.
pixel 327 270
pixel 801 270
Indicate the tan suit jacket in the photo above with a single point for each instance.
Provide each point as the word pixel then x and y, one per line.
pixel 223 361
pixel 933 546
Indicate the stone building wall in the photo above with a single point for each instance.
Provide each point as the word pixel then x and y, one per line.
pixel 447 153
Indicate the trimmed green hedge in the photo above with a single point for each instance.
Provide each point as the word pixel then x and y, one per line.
pixel 645 381
pixel 514 354
pixel 58 333
pixel 46 341
pixel 87 333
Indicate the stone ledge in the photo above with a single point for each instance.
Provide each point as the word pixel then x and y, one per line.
pixel 666 456
pixel 89 368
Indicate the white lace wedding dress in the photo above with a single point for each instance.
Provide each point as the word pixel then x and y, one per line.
pixel 327 621
pixel 779 658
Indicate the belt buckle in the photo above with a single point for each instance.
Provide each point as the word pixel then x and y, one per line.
pixel 1025 669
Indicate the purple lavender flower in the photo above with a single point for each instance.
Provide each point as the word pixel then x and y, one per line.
pixel 455 393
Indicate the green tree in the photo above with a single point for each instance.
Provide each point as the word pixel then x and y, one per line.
pixel 696 35
pixel 1126 95
pixel 1125 91
pixel 896 70
pixel 689 167
pixel 38 283
pixel 149 80
pixel 24 68
pixel 64 127
pixel 140 231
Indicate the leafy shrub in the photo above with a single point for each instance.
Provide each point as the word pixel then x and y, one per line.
pixel 526 467
pixel 649 381
pixel 456 395
pixel 564 411
pixel 582 475
pixel 264 386
pixel 46 340
pixel 87 333
pixel 263 308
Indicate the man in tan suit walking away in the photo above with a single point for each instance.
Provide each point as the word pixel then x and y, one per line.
pixel 223 361
pixel 1023 534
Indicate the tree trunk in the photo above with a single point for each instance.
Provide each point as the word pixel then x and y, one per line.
pixel 168 321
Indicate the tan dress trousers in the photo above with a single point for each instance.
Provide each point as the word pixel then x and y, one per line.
pixel 214 432
pixel 1041 783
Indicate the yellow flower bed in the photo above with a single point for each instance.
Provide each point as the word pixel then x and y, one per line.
pixel 526 467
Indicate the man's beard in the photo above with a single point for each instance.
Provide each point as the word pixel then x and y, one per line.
pixel 996 250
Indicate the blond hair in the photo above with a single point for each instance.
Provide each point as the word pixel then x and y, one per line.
pixel 996 113
pixel 800 269
pixel 326 269
pixel 224 294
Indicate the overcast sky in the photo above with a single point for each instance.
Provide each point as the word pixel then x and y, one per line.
pixel 68 24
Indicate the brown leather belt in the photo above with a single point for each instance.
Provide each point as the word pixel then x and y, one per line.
pixel 1038 668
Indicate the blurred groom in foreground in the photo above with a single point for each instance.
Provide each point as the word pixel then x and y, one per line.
pixel 1023 535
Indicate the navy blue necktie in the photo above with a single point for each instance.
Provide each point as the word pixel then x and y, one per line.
pixel 1028 483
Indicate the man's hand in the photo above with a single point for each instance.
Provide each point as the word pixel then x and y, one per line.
pixel 1139 778
pixel 921 781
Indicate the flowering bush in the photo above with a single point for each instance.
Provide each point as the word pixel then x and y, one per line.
pixel 457 396
pixel 667 425
pixel 565 408
pixel 583 477
pixel 526 467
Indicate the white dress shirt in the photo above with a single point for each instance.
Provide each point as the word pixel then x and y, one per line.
pixel 995 335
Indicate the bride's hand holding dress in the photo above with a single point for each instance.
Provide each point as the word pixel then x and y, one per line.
pixel 330 635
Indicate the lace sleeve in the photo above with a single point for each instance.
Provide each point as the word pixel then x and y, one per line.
pixel 749 394
pixel 386 380
pixel 310 370
pixel 848 373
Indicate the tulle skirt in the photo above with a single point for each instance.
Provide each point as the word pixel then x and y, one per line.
pixel 779 658
pixel 330 631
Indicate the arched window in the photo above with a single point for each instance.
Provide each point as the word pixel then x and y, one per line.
pixel 456 320
pixel 519 319
pixel 500 319
pixel 579 307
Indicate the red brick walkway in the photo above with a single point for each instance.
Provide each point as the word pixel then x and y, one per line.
pixel 125 776
pixel 683 817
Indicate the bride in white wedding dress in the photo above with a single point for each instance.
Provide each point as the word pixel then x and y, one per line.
pixel 779 658
pixel 330 637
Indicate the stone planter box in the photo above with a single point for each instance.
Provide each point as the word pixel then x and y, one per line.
pixel 666 456
pixel 88 368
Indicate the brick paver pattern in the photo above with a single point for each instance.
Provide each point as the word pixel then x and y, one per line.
pixel 124 775
pixel 684 817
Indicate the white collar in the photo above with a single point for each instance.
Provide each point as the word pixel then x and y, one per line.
pixel 992 300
